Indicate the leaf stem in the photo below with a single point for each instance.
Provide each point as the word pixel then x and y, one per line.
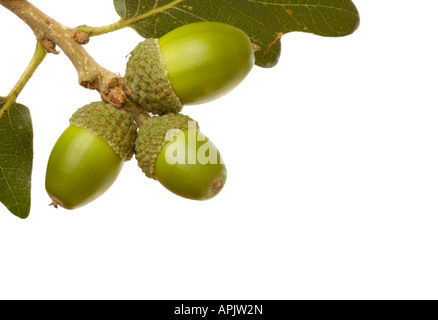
pixel 97 31
pixel 38 57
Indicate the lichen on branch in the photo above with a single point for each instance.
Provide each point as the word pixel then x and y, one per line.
pixel 91 75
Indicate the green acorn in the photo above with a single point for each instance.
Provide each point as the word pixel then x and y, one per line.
pixel 89 155
pixel 172 150
pixel 193 64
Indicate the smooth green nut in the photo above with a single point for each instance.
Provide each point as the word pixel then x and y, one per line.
pixel 172 150
pixel 88 157
pixel 192 64
pixel 190 166
pixel 81 168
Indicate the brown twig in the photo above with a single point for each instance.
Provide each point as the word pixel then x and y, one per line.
pixel 91 75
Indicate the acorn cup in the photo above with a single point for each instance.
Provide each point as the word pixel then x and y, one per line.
pixel 171 149
pixel 89 155
pixel 193 64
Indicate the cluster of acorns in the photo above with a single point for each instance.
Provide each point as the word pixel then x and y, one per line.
pixel 192 64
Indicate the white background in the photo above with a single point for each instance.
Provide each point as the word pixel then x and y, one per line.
pixel 332 188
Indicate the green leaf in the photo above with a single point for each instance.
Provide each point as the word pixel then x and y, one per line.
pixel 265 21
pixel 16 156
